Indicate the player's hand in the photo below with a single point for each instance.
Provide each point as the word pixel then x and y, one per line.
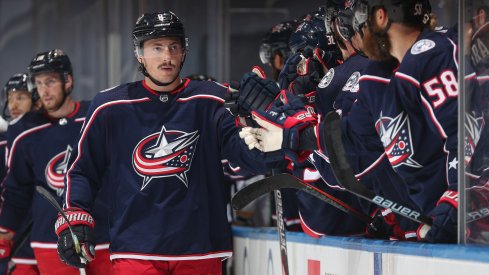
pixel 82 224
pixel 256 92
pixel 289 72
pixel 444 228
pixel 385 225
pixel 281 124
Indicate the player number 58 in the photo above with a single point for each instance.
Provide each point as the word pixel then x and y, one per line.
pixel 439 88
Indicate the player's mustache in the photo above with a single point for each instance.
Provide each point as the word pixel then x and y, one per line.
pixel 166 64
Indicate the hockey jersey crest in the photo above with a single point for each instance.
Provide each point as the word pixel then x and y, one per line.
pixel 395 134
pixel 56 170
pixel 165 154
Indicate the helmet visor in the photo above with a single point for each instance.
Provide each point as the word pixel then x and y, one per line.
pixel 265 53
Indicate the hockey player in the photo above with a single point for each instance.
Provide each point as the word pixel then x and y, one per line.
pixel 157 144
pixel 423 96
pixel 274 49
pixel 19 100
pixel 40 144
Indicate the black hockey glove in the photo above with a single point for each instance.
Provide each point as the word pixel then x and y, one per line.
pixel 289 71
pixel 256 93
pixel 82 225
pixel 5 262
pixel 444 228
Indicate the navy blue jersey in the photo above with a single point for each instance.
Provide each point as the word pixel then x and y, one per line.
pixel 3 154
pixel 418 122
pixel 40 147
pixel 161 155
pixel 25 252
pixel 338 86
pixel 362 144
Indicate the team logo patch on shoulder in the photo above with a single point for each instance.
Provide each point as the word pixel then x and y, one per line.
pixel 422 45
pixel 326 79
pixel 168 153
pixel 352 83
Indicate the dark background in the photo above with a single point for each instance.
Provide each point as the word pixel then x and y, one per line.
pixel 224 35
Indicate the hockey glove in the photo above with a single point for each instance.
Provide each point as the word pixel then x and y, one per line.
pixel 82 225
pixel 444 228
pixel 281 124
pixel 5 250
pixel 309 73
pixel 385 225
pixel 256 93
pixel 289 72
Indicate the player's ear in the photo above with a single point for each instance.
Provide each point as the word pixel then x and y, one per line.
pixel 380 16
pixel 68 82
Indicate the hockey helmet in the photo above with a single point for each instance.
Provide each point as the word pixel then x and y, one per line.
pixel 277 39
pixel 344 24
pixel 18 82
pixel 400 11
pixel 309 34
pixel 52 61
pixel 155 25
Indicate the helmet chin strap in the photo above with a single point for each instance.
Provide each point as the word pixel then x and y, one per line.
pixel 157 82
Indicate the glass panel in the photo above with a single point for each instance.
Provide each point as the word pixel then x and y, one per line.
pixel 475 89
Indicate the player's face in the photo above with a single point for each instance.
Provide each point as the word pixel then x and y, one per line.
pixel 50 89
pixel 19 102
pixel 162 58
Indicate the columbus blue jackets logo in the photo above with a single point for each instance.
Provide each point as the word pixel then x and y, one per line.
pixel 352 85
pixel 327 78
pixel 56 169
pixel 395 134
pixel 473 130
pixel 168 153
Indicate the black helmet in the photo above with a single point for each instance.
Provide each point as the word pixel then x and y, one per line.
pixel 415 12
pixel 154 25
pixel 277 39
pixel 18 82
pixel 310 33
pixel 344 25
pixel 53 61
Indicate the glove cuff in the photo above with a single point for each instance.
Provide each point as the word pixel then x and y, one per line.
pixel 5 248
pixel 450 197
pixel 76 216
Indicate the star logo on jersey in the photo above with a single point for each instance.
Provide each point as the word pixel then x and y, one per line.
pixel 168 153
pixel 395 134
pixel 473 130
pixel 56 170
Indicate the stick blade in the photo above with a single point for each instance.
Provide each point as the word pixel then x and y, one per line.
pixel 261 187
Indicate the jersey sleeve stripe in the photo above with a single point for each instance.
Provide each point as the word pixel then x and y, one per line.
pixel 84 133
pixel 374 78
pixel 372 166
pixel 137 256
pixel 309 231
pixel 212 97
pixel 408 78
pixel 23 135
pixel 455 50
pixel 433 117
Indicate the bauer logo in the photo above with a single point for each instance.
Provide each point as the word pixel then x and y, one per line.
pixel 380 201
pixel 56 169
pixel 168 153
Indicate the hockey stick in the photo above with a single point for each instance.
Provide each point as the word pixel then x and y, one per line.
pixel 346 177
pixel 45 194
pixel 19 242
pixel 278 206
pixel 281 231
pixel 264 186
